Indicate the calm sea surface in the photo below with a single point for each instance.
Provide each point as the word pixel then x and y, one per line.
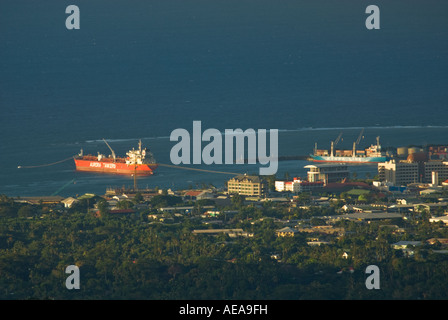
pixel 140 69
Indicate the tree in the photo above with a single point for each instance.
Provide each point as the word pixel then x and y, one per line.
pixel 7 207
pixel 26 211
pixel 103 207
pixel 271 181
pixel 362 198
pixel 317 221
pixel 125 204
pixel 7 211
pixel 303 198
pixel 138 198
pixel 237 201
pixel 165 201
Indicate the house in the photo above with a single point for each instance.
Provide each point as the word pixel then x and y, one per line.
pixel 45 200
pixel 405 244
pixel 367 216
pixel 331 230
pixel 69 202
pixel 276 256
pixel 445 183
pixel 286 232
pixel 198 195
pixel 430 207
pixel 360 208
pixel 120 197
pixel 230 232
pixel 184 210
pixel 401 208
pixel 316 242
pixel 407 200
pixel 155 216
pixel 430 191
pixel 212 213
pixel 443 219
pixel 442 241
pixel 407 247
pixel 191 195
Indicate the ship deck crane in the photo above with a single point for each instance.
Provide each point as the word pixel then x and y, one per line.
pixel 334 143
pixel 113 152
pixel 358 141
pixel 360 136
pixel 337 139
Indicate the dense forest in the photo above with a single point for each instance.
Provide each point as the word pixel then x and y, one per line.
pixel 135 257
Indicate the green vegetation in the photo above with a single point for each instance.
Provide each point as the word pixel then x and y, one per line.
pixel 138 257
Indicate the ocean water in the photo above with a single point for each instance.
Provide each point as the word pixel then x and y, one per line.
pixel 140 70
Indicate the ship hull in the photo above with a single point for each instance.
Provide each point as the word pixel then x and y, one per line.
pixel 114 167
pixel 364 160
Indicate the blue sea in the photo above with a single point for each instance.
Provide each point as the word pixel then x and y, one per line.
pixel 140 69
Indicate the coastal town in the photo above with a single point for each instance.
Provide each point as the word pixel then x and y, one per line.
pixel 328 224
pixel 415 182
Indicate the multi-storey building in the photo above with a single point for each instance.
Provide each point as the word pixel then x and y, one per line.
pixel 405 172
pixel 435 168
pixel 247 185
pixel 297 185
pixel 398 172
pixel 327 173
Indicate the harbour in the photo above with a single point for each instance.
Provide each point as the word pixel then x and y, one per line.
pixel 294 147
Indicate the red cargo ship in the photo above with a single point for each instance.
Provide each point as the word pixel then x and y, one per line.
pixel 139 162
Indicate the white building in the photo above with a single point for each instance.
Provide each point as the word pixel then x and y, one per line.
pixel 443 219
pixel 69 202
pixel 409 171
pixel 398 173
pixel 285 186
pixel 297 185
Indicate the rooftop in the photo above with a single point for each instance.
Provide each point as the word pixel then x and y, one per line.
pixel 325 165
pixel 369 216
pixel 245 177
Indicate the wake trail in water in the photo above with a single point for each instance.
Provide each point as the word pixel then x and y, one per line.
pixel 44 165
pixel 304 129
